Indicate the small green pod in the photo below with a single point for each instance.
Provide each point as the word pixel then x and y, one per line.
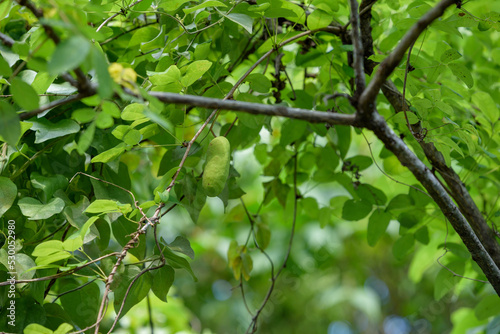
pixel 217 167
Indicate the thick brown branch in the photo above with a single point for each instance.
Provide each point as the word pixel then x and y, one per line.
pixel 256 108
pixel 377 124
pixel 365 20
pixel 358 50
pixel 457 189
pixel 389 64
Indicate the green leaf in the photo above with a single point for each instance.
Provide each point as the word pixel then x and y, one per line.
pixel 208 3
pixel 5 69
pixel 403 246
pixel 400 118
pixel 434 72
pixel 172 5
pixel 408 219
pixel 42 261
pixel 341 138
pixel 194 195
pixel 142 35
pixel 259 83
pixel 318 19
pixel 35 210
pixel 68 54
pixel 358 163
pixel 195 71
pixel 463 73
pixel 299 14
pixel 399 202
pixel 162 282
pixel 444 107
pixel 182 245
pixel 157 42
pixel 88 224
pixel 132 137
pixel 138 292
pixel 262 235
pixel 8 193
pixel 445 280
pixel 48 247
pixel 48 184
pixel 243 20
pixel 133 112
pixel 171 75
pixel 177 261
pixel 291 131
pixel 356 210
pixel 371 194
pixel 422 235
pixel 45 130
pixel 111 108
pixel 486 105
pixel 450 55
pixel 259 8
pixel 22 265
pixel 327 158
pixel 377 224
pixel 487 307
pixel 103 206
pixel 24 95
pixel 247 265
pixel 105 83
pixel 72 244
pixel 10 126
pixel 324 216
pixel 83 295
pixel 417 9
pixel 108 155
pixel 63 329
pixel 104 120
pixel 465 318
pixel 86 138
pixel 36 329
pixel 83 115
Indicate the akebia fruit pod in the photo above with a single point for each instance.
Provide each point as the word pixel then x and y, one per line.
pixel 217 166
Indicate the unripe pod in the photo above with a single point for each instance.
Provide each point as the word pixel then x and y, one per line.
pixel 217 167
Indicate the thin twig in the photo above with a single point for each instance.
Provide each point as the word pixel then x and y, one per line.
pixel 7 40
pixel 62 274
pixel 407 69
pixel 116 14
pixel 125 32
pixel 73 98
pixel 73 290
pixel 256 108
pixel 252 328
pixel 117 316
pixel 385 173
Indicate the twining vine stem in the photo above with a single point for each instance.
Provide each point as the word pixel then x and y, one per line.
pixel 252 328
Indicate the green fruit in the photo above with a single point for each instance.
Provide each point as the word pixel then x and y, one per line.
pixel 217 167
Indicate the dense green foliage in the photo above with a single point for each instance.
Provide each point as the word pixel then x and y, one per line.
pixel 365 247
